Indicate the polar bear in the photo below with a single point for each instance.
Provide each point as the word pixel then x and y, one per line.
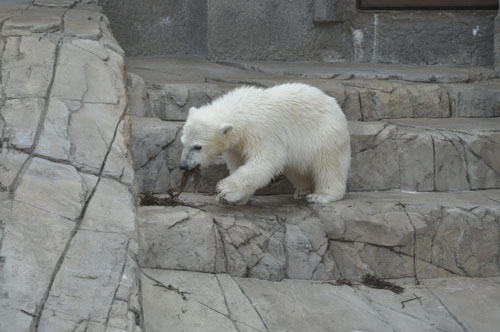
pixel 292 129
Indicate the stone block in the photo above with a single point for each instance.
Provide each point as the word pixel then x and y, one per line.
pixel 163 236
pixel 91 271
pixel 34 20
pixel 91 131
pixel 92 81
pixel 299 305
pixel 326 11
pixel 392 235
pixel 54 139
pixel 152 143
pixel 83 24
pixel 28 259
pixel 138 104
pixel 470 300
pixel 53 187
pixel 173 101
pixel 10 163
pixel 112 209
pixel 27 63
pixel 22 118
pixel 314 305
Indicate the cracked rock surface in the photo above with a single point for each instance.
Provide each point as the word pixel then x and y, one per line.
pixel 218 302
pixel 67 193
pixel 392 235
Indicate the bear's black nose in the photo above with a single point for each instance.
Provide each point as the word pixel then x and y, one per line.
pixel 184 166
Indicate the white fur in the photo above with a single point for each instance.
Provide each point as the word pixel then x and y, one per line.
pixel 294 129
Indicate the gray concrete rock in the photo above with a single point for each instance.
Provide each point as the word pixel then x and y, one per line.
pixel 163 236
pixel 67 204
pixel 317 307
pixel 22 117
pixel 91 270
pixel 72 82
pixel 137 96
pixel 92 139
pixel 119 162
pixel 393 235
pixel 10 163
pixel 496 49
pixel 187 311
pixel 153 143
pixel 475 313
pixel 54 139
pixel 27 65
pixel 55 3
pixel 173 101
pixel 112 209
pixel 415 315
pixel 85 24
pixel 33 20
pixel 195 302
pixel 53 187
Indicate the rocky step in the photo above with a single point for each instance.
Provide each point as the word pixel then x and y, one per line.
pixel 389 234
pixel 202 302
pixel 166 87
pixel 406 154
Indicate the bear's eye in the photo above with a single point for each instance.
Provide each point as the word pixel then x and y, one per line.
pixel 197 147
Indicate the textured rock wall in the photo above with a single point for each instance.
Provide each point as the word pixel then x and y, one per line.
pixel 67 207
pixel 302 30
pixel 393 235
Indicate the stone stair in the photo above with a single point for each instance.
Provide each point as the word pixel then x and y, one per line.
pixel 414 128
pixel 390 234
pixel 423 203
pixel 191 301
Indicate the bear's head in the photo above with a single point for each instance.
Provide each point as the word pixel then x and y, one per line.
pixel 203 138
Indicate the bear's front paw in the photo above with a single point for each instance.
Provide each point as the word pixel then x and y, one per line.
pixel 323 198
pixel 228 193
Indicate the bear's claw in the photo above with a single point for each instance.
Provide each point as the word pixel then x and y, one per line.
pixel 300 194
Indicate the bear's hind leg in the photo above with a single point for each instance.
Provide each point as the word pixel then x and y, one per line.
pixel 330 178
pixel 303 184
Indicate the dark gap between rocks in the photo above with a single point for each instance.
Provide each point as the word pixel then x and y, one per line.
pixel 369 280
pixel 172 198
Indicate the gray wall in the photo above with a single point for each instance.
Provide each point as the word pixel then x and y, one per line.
pixel 497 41
pixel 326 30
pixel 152 27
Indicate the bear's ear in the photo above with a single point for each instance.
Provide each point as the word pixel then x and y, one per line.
pixel 225 129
